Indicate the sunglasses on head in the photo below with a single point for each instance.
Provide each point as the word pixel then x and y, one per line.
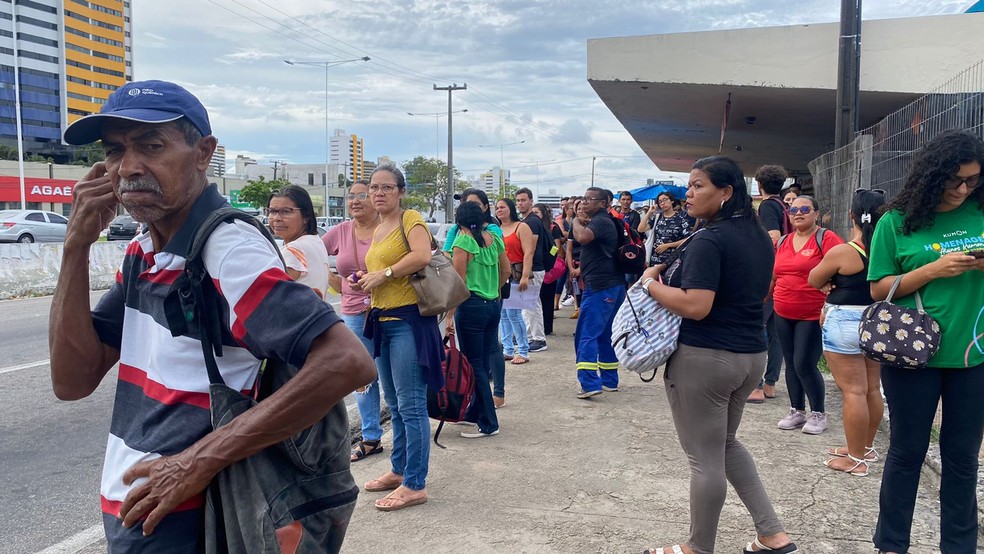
pixel 879 191
pixel 800 210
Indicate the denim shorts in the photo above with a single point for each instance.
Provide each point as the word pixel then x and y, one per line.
pixel 840 329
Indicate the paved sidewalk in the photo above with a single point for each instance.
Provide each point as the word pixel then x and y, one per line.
pixel 608 475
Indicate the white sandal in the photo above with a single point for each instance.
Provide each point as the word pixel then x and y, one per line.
pixel 850 471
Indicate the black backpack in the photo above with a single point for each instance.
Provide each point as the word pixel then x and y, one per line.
pixel 294 485
pixel 545 244
pixel 630 253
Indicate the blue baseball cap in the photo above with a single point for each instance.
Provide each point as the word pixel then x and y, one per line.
pixel 143 102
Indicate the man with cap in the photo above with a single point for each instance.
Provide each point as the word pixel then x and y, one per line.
pixel 162 451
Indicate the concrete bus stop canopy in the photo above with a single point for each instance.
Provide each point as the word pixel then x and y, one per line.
pixel 670 91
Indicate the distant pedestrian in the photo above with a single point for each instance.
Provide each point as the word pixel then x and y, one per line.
pixel 798 307
pixel 933 236
pixel 717 285
pixel 548 289
pixel 670 226
pixel 774 218
pixel 519 249
pixel 479 257
pixel 597 233
pixel 349 241
pixel 533 316
pixel 844 271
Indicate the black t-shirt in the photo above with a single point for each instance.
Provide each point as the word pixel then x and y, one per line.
pixel 734 259
pixel 771 215
pixel 598 256
pixel 536 226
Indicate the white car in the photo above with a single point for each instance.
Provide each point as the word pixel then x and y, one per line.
pixel 29 226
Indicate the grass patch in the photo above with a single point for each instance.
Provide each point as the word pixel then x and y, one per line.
pixel 822 365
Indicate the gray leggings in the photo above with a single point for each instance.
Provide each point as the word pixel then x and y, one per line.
pixel 707 390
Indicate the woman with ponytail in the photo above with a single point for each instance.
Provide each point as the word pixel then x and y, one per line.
pixel 844 270
pixel 480 259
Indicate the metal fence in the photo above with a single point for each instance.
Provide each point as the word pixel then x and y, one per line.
pixel 879 156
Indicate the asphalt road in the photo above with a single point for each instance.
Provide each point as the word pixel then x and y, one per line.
pixel 51 451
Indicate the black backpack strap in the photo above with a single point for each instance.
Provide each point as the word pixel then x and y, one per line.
pixel 205 303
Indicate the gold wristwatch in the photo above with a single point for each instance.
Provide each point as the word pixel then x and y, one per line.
pixel 389 272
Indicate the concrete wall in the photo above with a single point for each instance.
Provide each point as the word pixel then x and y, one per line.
pixel 897 55
pixel 32 269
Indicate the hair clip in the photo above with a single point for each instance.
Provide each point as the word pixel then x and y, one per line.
pixel 866 217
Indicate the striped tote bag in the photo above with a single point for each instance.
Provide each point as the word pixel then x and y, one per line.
pixel 644 333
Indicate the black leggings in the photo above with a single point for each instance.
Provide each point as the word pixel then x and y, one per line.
pixel 801 348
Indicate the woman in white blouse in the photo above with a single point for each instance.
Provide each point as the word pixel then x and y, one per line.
pixel 291 217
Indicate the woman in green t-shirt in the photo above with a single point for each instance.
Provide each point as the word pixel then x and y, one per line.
pixel 929 235
pixel 480 258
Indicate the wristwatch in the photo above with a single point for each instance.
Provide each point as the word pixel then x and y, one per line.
pixel 389 272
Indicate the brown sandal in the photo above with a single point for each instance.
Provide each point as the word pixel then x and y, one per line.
pixel 518 360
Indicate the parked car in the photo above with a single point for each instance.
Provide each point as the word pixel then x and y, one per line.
pixel 440 232
pixel 123 227
pixel 32 226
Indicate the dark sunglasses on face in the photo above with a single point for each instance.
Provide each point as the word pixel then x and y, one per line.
pixel 800 210
pixel 955 182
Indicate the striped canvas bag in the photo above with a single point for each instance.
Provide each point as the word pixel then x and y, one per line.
pixel 644 333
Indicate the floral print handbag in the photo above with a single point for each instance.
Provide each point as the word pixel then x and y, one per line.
pixel 899 336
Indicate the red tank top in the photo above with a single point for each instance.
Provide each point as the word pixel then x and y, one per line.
pixel 514 248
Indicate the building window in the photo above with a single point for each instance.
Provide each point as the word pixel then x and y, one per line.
pixel 36 56
pixel 37 22
pixel 310 179
pixel 37 6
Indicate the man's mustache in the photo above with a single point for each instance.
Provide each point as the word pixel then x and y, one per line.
pixel 141 185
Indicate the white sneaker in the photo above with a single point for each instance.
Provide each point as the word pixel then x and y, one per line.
pixel 567 302
pixel 479 435
pixel 815 424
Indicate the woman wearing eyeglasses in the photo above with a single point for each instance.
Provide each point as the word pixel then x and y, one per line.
pixel 798 307
pixel 844 270
pixel 291 217
pixel 933 236
pixel 408 347
pixel 349 242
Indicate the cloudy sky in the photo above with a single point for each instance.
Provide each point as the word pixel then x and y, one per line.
pixel 524 63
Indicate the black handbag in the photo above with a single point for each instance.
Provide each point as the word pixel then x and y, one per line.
pixel 899 336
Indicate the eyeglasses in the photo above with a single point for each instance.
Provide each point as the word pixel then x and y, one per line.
pixel 357 196
pixel 800 210
pixel 955 182
pixel 282 212
pixel 387 188
pixel 590 199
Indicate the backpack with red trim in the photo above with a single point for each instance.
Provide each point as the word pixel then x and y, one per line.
pixel 630 251
pixel 451 402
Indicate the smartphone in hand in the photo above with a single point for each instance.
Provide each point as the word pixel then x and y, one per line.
pixel 976 253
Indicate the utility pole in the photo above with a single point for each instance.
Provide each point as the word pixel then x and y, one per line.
pixel 276 164
pixel 449 203
pixel 848 73
pixel 592 170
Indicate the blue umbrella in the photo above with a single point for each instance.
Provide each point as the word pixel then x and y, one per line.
pixel 650 192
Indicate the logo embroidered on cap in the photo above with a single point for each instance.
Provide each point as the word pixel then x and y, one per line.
pixel 133 92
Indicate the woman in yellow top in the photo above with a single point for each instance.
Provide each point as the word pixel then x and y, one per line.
pixel 480 259
pixel 408 347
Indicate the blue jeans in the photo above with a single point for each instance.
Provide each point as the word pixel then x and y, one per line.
pixel 773 364
pixel 593 338
pixel 476 325
pixel 406 395
pixel 368 400
pixel 514 339
pixel 913 396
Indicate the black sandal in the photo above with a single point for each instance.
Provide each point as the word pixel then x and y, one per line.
pixel 361 451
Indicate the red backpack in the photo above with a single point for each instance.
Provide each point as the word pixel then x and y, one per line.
pixel 451 402
pixel 787 226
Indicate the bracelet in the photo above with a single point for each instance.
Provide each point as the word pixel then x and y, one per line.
pixel 646 283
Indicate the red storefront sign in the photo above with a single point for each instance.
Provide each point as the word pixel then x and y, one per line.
pixel 37 189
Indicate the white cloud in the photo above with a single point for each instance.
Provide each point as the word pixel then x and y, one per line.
pixel 524 63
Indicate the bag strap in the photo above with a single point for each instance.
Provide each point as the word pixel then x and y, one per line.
pixel 895 285
pixel 403 232
pixel 858 248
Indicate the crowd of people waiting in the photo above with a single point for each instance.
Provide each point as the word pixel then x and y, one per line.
pixel 717 261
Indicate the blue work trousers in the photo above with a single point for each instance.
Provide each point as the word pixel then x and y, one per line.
pixel 597 365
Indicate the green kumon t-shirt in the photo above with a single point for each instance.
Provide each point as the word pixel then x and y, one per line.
pixel 482 275
pixel 957 303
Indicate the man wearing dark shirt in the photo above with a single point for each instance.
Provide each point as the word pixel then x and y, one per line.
pixel 596 231
pixel 533 317
pixel 773 217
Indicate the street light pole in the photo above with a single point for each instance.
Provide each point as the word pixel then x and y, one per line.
pixel 502 178
pixel 437 132
pixel 326 64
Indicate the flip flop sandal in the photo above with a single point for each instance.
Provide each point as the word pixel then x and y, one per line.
pixel 398 504
pixel 381 486
pixel 756 546
pixel 519 360
pixel 361 451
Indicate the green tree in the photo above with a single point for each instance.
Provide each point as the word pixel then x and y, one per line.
pixel 257 192
pixel 427 180
pixel 7 152
pixel 41 159
pixel 89 154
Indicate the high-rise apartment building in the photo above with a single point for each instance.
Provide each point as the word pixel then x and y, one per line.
pixel 217 167
pixel 494 181
pixel 71 55
pixel 347 152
